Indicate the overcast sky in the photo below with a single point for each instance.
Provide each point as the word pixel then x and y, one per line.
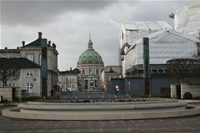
pixel 68 24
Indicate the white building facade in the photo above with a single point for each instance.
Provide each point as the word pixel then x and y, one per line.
pixel 187 19
pixel 163 45
pixel 131 32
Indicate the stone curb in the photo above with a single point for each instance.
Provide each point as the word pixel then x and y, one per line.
pixel 8 104
pixel 191 101
pixel 14 113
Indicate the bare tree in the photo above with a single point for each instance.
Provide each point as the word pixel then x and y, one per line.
pixel 9 69
pixel 183 68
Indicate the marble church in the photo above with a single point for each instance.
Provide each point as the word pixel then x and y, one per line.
pixel 90 64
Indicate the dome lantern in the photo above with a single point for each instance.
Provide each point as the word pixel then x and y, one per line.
pixel 90 43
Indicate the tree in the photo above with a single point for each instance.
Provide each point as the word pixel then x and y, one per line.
pixel 182 68
pixel 9 69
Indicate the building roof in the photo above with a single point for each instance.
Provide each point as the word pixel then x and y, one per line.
pixel 9 51
pixel 111 71
pixel 146 25
pixel 135 30
pixel 90 56
pixel 75 71
pixel 36 43
pixel 25 63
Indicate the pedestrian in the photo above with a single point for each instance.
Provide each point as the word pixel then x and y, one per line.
pixel 52 92
pixel 70 90
pixel 116 91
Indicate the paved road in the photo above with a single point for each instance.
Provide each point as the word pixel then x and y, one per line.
pixel 168 125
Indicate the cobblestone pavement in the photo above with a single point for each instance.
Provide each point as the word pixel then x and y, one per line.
pixel 189 124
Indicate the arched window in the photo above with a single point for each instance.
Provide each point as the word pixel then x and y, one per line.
pixel 97 71
pixel 83 71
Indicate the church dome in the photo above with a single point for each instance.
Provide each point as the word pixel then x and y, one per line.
pixel 90 56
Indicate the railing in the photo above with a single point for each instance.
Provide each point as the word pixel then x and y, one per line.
pixel 91 95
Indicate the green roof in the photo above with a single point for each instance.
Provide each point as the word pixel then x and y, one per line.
pixel 90 56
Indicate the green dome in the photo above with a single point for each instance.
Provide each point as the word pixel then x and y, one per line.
pixel 90 56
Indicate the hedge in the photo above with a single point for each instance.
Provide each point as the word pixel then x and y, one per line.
pixel 152 95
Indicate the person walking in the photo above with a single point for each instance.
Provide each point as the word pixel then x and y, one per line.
pixel 52 92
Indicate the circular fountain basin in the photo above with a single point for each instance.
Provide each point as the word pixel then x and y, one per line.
pixel 102 110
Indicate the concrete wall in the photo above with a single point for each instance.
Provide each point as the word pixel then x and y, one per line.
pixel 134 85
pixel 173 90
pixel 6 92
pixel 111 85
pixel 193 89
pixel 160 82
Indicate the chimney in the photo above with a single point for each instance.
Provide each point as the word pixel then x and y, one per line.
pixel 40 35
pixel 23 43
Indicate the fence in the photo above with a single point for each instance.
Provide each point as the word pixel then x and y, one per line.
pixel 91 95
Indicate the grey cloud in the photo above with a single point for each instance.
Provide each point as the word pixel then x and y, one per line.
pixel 68 24
pixel 40 12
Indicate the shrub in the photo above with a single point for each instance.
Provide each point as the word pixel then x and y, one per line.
pixel 54 97
pixel 16 99
pixel 152 95
pixel 197 98
pixel 30 98
pixel 140 96
pixel 161 95
pixel 187 95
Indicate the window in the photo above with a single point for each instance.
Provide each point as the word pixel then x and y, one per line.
pixel 40 59
pixel 109 78
pixel 29 87
pixel 83 71
pixel 4 56
pixel 29 73
pixel 62 79
pixel 12 73
pixel 72 85
pixel 29 56
pixel 11 84
pixel 72 79
pixel 91 72
pixel 97 71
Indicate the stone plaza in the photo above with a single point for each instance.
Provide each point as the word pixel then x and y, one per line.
pixel 188 124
